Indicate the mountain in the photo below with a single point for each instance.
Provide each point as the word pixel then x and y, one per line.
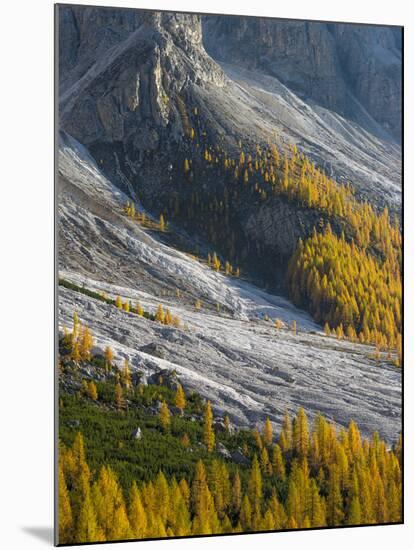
pixel 353 70
pixel 225 147
pixel 235 358
pixel 229 275
pixel 116 72
pixel 131 83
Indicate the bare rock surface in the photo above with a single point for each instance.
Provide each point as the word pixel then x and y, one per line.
pixel 239 361
pixel 353 70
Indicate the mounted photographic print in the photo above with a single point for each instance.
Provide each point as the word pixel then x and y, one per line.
pixel 229 274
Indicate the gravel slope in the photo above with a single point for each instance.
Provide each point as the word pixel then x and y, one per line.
pixel 239 361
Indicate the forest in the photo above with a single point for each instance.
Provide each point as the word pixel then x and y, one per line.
pixel 174 480
pixel 360 298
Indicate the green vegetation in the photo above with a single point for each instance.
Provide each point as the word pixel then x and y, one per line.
pixel 92 294
pixel 161 316
pixel 171 480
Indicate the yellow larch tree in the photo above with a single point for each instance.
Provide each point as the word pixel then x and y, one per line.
pixel 86 343
pixel 139 310
pixel 162 223
pixel 137 514
pixel 208 432
pixel 180 400
pixel 126 375
pixel 278 462
pixel 301 433
pixel 65 511
pixel 160 315
pixel 268 432
pixel 87 529
pixel 119 397
pixel 165 416
pixel 285 438
pixel 92 390
pixel 109 357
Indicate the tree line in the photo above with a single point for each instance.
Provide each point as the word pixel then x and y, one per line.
pixel 267 171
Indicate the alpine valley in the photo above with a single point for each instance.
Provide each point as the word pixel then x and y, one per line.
pixel 229 258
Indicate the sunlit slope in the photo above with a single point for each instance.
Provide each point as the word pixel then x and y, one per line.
pixel 244 364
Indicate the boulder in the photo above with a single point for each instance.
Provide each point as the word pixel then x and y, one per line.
pixel 137 378
pixel 239 458
pixel 223 451
pixel 220 426
pixel 154 349
pixel 74 423
pixel 165 377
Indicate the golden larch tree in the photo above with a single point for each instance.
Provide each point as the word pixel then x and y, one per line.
pixel 165 416
pixel 268 432
pixel 208 432
pixel 65 511
pixel 109 357
pixel 180 401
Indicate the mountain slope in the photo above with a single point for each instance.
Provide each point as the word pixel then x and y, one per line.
pixel 152 98
pixel 138 97
pixel 241 362
pixel 352 70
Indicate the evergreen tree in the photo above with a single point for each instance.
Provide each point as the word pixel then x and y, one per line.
pixel 109 357
pixel 268 432
pixel 208 433
pixel 180 401
pixel 65 511
pixel 165 416
pixel 137 514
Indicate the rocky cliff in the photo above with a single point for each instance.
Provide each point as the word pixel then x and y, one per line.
pixel 129 91
pixel 354 70
pixel 133 84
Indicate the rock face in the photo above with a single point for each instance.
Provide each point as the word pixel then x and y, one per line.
pixel 277 224
pixel 248 370
pixel 345 67
pixel 133 83
pixel 130 82
pixel 154 349
pixel 86 34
